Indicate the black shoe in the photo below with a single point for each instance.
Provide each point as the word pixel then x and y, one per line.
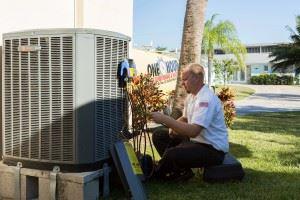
pixel 179 176
pixel 147 165
pixel 183 176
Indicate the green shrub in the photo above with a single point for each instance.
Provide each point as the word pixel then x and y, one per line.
pixel 287 80
pixel 297 81
pixel 254 80
pixel 271 79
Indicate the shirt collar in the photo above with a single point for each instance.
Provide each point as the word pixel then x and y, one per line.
pixel 204 87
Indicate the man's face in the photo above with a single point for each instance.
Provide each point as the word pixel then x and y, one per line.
pixel 186 77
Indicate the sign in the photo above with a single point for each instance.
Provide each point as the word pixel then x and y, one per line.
pixel 137 170
pixel 163 71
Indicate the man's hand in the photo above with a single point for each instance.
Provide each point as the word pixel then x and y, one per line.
pixel 180 127
pixel 172 133
pixel 158 117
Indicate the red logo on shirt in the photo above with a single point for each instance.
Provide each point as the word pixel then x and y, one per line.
pixel 203 104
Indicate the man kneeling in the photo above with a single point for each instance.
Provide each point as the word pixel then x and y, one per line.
pixel 197 139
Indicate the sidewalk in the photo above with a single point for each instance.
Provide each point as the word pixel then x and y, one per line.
pixel 270 98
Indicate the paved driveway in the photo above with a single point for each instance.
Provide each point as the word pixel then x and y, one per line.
pixel 270 98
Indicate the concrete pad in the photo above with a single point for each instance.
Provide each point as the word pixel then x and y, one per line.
pixel 44 188
pixel 7 185
pixel 36 184
pixel 83 185
pixel 7 182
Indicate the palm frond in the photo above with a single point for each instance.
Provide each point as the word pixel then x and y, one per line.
pixel 222 35
pixel 286 55
pixel 298 24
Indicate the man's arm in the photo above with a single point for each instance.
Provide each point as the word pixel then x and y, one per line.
pixel 181 119
pixel 180 126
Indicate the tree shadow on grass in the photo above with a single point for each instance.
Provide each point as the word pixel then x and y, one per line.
pixel 278 142
pixel 281 123
pixel 290 159
pixel 256 185
pixel 239 151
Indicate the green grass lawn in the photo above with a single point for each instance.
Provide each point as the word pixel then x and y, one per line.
pixel 268 146
pixel 241 92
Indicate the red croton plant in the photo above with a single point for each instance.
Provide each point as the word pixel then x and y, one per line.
pixel 144 97
pixel 226 95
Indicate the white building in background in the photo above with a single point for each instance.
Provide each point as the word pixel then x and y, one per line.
pixel 257 62
pixel 111 15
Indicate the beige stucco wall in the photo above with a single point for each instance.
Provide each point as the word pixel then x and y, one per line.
pixel 19 15
pixel 112 15
pixel 1 104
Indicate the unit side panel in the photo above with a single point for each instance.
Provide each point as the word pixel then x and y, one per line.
pixel 85 97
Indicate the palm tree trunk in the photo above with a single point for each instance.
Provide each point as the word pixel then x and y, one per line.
pixel 224 72
pixel 190 47
pixel 209 69
pixel 225 78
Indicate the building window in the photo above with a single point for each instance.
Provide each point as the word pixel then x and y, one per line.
pixel 235 76
pixel 219 51
pixel 267 49
pixel 253 49
pixel 242 75
pixel 266 68
pixel 257 69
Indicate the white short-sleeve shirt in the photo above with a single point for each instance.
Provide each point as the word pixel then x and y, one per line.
pixel 205 109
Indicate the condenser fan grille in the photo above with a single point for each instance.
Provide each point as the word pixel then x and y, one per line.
pixel 38 98
pixel 110 101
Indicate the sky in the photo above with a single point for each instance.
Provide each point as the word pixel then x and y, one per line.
pixel 256 21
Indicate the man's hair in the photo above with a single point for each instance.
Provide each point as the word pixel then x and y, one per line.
pixel 196 69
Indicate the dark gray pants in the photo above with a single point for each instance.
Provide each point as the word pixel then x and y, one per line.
pixel 180 154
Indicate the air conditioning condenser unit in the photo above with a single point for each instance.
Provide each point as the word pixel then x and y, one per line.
pixel 60 96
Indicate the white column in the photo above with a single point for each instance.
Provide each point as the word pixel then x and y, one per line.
pixel 78 14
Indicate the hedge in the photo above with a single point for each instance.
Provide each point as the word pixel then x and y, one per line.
pixel 272 79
